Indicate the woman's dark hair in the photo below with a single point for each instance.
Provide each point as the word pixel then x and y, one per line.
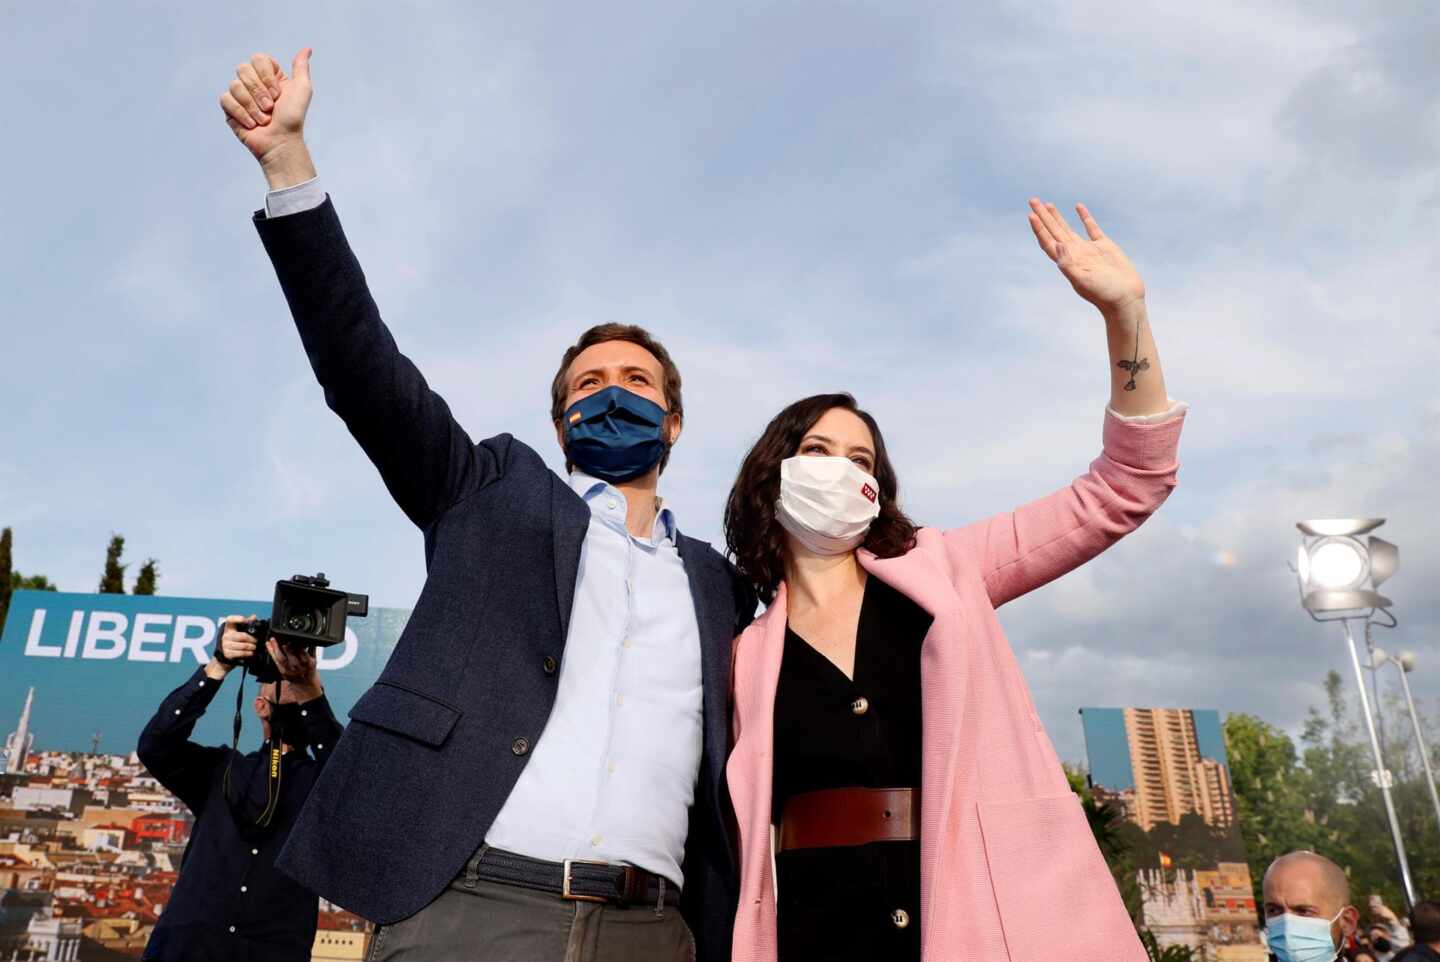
pixel 753 536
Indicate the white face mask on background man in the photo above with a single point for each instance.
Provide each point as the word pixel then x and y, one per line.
pixel 827 503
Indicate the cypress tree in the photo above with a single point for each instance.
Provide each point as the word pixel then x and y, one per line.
pixel 112 582
pixel 5 574
pixel 149 575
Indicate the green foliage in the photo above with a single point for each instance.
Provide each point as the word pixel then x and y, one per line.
pixel 149 574
pixel 1112 835
pixel 5 573
pixel 1171 953
pixel 11 580
pixel 1325 800
pixel 112 581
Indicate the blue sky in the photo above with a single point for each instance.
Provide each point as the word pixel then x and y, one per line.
pixel 795 197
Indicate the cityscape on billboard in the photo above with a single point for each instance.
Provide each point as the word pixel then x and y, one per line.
pixel 1165 770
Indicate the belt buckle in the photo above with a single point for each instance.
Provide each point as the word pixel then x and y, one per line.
pixel 570 896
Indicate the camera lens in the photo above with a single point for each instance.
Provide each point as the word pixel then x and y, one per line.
pixel 311 622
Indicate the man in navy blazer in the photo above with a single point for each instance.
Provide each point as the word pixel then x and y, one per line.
pixel 537 772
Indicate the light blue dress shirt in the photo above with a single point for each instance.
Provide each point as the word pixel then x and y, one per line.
pixel 613 774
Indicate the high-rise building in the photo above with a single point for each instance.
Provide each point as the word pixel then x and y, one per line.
pixel 1171 777
pixel 1217 802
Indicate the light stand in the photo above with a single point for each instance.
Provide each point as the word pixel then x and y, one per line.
pixel 1337 574
pixel 1406 663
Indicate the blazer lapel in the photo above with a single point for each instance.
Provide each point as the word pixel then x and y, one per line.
pixel 714 603
pixel 571 519
pixel 914 575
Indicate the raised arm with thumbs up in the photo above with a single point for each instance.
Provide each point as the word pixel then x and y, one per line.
pixel 266 111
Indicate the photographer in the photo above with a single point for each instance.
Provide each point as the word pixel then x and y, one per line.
pixel 230 902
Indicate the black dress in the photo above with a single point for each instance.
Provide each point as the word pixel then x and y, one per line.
pixel 853 902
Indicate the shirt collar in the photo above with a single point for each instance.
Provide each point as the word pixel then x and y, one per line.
pixel 590 488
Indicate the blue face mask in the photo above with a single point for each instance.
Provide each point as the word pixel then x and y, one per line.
pixel 615 434
pixel 1296 938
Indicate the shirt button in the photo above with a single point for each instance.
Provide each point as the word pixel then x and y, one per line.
pixel 319 748
pixel 254 851
pixel 551 665
pixel 860 705
pixel 611 768
pixel 202 682
pixel 619 699
pixel 244 888
pixel 611 502
pixel 304 712
pixel 627 643
pixel 520 745
pixel 900 917
pixel 177 711
pixel 232 928
pixel 595 841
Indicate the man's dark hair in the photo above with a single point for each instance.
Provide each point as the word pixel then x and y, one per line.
pixel 753 534
pixel 1425 922
pixel 599 334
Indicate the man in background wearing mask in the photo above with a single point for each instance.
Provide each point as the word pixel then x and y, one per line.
pixel 1308 915
pixel 230 903
pixel 1386 932
pixel 536 775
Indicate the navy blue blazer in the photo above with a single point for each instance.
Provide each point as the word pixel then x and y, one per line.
pixel 438 742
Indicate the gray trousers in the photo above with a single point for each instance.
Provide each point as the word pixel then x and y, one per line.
pixel 479 921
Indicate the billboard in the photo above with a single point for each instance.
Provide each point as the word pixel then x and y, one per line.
pixel 90 844
pixel 1166 771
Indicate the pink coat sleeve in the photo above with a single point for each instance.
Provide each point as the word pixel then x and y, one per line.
pixel 1020 550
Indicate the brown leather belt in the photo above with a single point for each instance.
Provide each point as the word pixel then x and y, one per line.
pixel 849 816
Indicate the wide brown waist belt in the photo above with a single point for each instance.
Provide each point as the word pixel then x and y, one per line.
pixel 849 816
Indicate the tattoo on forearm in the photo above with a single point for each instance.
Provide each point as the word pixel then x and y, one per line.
pixel 1136 364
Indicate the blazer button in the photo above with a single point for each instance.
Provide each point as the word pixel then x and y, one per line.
pixel 900 917
pixel 860 705
pixel 551 665
pixel 520 745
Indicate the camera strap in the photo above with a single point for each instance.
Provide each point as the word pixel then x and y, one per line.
pixel 271 755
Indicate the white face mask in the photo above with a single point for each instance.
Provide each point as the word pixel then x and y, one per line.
pixel 826 503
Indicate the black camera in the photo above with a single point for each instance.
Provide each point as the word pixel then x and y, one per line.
pixel 307 614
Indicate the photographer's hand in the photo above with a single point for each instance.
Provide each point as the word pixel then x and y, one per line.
pixel 298 670
pixel 233 644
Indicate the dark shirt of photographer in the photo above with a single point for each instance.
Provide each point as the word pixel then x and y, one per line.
pixel 230 902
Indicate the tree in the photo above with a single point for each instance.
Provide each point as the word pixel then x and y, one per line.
pixel 1327 800
pixel 146 580
pixel 1273 794
pixel 12 581
pixel 112 582
pixel 5 572
pixel 1111 830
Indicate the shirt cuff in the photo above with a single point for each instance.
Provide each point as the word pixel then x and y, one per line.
pixel 1176 409
pixel 292 200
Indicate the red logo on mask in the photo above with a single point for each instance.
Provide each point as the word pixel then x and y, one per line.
pixel 868 492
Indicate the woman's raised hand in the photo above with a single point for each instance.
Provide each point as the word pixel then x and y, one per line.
pixel 1095 265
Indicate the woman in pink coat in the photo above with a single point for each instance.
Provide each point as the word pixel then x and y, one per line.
pixel 886 748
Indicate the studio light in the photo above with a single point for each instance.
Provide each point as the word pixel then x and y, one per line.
pixel 1340 572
